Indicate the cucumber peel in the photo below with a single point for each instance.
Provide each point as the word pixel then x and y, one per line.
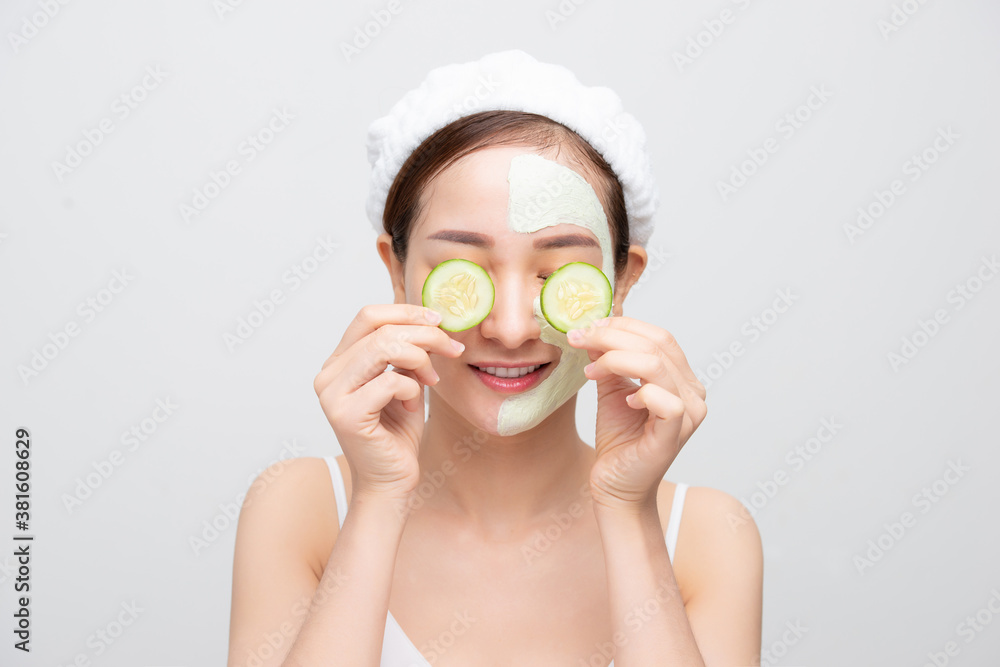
pixel 575 295
pixel 461 291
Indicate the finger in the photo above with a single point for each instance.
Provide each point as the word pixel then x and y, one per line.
pixel 373 359
pixel 658 370
pixel 642 366
pixel 363 407
pixel 605 339
pixel 402 345
pixel 373 316
pixel 602 339
pixel 695 409
pixel 372 398
pixel 669 412
pixel 663 340
pixel 411 404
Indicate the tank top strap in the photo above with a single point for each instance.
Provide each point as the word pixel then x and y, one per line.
pixel 339 491
pixel 674 525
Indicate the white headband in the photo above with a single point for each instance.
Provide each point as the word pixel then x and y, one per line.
pixel 516 81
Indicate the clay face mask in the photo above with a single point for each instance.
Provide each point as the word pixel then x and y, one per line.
pixel 545 193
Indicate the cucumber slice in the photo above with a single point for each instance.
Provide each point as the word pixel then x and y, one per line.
pixel 575 295
pixel 461 291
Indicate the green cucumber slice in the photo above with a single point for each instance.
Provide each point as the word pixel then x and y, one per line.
pixel 461 291
pixel 575 295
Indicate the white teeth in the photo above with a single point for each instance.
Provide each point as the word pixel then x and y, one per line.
pixel 507 372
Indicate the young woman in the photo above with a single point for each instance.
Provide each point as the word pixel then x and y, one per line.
pixel 491 533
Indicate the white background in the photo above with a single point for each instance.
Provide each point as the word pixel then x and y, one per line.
pixel 825 357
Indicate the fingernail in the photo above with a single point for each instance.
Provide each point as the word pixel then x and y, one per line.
pixel 432 316
pixel 457 346
pixel 575 335
pixel 589 367
pixel 603 322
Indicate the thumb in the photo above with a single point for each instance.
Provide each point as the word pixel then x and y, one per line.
pixel 412 404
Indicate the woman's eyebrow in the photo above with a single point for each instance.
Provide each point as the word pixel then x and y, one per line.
pixel 485 241
pixel 468 238
pixel 566 241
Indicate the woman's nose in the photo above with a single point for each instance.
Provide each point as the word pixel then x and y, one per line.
pixel 512 318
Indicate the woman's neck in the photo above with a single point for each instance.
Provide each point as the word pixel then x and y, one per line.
pixel 502 484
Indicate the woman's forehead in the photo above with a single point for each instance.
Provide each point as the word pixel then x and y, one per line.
pixel 474 195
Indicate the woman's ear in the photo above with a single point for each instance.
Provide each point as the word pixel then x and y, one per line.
pixel 384 245
pixel 633 269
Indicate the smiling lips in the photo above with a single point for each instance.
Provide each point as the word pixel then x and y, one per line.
pixel 510 380
pixel 509 372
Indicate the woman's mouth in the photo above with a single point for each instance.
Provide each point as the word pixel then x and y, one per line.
pixel 516 380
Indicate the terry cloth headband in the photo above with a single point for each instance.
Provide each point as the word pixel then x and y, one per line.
pixel 516 81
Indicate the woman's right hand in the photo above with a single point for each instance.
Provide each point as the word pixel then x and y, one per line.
pixel 378 417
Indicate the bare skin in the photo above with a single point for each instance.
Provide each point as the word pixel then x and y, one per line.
pixel 442 568
pixel 460 553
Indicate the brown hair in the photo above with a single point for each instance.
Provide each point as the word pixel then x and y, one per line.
pixel 495 128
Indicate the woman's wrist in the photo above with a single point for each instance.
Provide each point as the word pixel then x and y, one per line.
pixel 606 504
pixel 382 508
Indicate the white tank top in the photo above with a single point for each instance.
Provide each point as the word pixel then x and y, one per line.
pixel 397 649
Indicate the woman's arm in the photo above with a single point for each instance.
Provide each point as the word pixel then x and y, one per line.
pixel 721 625
pixel 282 614
pixel 649 624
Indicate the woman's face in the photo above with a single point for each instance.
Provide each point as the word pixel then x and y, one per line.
pixel 519 216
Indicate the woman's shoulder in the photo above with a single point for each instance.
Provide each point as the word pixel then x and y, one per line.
pixel 716 535
pixel 296 497
pixel 714 531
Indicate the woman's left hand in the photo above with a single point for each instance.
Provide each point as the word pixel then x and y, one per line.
pixel 637 440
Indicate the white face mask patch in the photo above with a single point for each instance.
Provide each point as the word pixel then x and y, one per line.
pixel 545 193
